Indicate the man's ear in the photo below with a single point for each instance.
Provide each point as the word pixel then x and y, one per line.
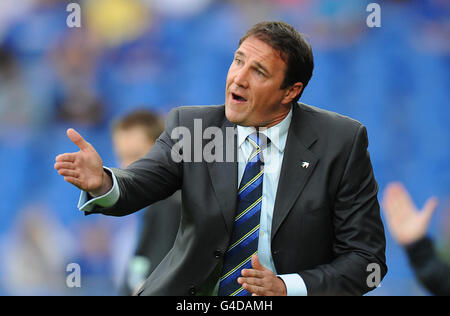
pixel 292 92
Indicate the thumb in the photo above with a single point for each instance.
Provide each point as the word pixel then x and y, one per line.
pixel 256 264
pixel 429 207
pixel 77 139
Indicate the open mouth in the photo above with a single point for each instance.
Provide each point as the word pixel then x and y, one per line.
pixel 238 98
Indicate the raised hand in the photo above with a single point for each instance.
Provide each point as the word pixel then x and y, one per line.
pixel 83 169
pixel 405 222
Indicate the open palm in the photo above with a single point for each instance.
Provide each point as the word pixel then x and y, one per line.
pixel 406 223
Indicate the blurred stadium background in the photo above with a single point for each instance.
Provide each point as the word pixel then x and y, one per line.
pixel 160 54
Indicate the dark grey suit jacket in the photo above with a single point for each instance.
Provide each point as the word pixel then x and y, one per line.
pixel 326 223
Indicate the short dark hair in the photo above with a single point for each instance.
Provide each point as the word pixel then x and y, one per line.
pixel 150 121
pixel 293 48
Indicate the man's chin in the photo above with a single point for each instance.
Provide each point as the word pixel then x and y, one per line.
pixel 233 118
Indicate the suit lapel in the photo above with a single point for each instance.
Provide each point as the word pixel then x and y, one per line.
pixel 224 174
pixel 297 166
pixel 293 176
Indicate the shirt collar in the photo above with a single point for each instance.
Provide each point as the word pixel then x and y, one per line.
pixel 277 133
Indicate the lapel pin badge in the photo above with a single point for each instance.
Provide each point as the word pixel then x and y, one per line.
pixel 305 164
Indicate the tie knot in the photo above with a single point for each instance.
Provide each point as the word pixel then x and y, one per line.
pixel 259 140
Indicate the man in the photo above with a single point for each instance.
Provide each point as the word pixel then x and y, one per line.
pixel 133 136
pixel 409 226
pixel 314 215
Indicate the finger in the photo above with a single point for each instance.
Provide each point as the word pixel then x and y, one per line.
pixel 389 196
pixel 64 165
pixel 251 273
pixel 68 173
pixel 256 264
pixel 251 281
pixel 254 289
pixel 397 203
pixel 68 157
pixel 429 208
pixel 77 139
pixel 73 181
pixel 403 200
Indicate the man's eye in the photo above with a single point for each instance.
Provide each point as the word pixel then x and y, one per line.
pixel 237 61
pixel 260 73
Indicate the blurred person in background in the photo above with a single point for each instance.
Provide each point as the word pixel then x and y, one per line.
pixel 409 228
pixel 95 257
pixel 77 97
pixel 30 38
pixel 16 108
pixel 11 11
pixel 35 254
pixel 133 136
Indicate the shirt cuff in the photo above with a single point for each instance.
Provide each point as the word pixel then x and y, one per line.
pixel 295 286
pixel 87 204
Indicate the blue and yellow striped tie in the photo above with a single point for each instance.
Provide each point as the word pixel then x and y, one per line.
pixel 244 239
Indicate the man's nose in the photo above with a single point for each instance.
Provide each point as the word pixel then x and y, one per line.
pixel 241 78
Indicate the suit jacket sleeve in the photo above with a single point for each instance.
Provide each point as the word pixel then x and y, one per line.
pixel 430 270
pixel 358 230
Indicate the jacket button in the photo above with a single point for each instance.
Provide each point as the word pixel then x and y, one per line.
pixel 192 290
pixel 218 254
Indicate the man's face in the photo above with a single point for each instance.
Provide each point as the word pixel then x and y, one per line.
pixel 131 144
pixel 253 94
